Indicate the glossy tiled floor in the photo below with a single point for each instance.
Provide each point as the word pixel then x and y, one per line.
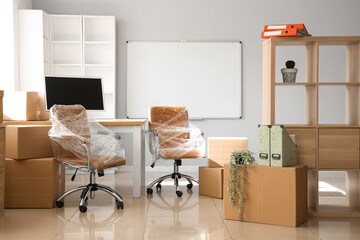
pixel 162 216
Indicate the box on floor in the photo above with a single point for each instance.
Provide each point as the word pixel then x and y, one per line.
pixel 33 183
pixel 25 141
pixel 2 167
pixel 219 153
pixel 27 106
pixel 273 195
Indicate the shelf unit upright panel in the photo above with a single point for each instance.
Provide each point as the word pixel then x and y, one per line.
pixel 311 84
pixel 99 48
pixel 66 45
pixel 33 28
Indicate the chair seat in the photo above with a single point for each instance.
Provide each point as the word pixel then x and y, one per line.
pixel 180 153
pixel 99 162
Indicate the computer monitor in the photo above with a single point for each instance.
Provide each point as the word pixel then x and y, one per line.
pixel 86 91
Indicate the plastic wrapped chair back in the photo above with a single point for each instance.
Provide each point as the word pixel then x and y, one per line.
pixel 177 137
pixel 71 129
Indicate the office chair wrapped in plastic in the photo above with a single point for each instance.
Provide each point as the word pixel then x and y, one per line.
pixel 171 136
pixel 87 146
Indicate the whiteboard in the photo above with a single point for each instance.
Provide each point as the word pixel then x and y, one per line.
pixel 204 76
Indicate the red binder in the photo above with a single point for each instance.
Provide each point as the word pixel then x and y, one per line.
pixel 292 32
pixel 273 27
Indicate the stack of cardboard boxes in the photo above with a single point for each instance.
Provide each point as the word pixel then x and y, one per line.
pixel 276 189
pixel 211 177
pixel 33 179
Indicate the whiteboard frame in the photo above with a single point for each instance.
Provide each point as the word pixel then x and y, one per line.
pixel 185 41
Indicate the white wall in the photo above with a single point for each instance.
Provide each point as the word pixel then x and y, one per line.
pixel 204 20
pixel 9 63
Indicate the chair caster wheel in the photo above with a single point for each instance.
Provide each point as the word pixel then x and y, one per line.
pixel 59 204
pixel 120 205
pixel 179 193
pixel 83 209
pixel 149 191
pixel 158 187
pixel 189 186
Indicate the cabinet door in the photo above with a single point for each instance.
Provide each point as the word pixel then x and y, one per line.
pixel 338 148
pixel 305 141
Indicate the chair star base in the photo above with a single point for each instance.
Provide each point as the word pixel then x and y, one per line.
pixel 176 175
pixel 90 189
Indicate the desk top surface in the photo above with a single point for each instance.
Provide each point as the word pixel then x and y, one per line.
pixel 114 122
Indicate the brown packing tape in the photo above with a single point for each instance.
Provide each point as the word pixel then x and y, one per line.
pixel 273 195
pixel 211 181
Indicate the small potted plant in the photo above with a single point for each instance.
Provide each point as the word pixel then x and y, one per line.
pixel 289 73
pixel 240 162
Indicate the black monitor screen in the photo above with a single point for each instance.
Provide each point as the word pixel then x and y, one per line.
pixel 74 90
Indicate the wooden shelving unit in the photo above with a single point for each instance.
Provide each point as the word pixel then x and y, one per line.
pixel 323 147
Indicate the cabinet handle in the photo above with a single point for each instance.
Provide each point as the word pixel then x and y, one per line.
pixel 312 148
pixel 356 148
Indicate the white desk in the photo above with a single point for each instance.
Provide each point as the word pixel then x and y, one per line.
pixel 134 126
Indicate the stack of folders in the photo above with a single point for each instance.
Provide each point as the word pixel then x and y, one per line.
pixel 285 30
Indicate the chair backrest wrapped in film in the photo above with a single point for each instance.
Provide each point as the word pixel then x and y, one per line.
pixel 71 128
pixel 177 137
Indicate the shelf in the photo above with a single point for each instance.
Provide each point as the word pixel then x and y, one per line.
pixel 66 64
pixel 335 211
pixel 99 42
pixel 337 126
pixel 299 126
pixel 98 65
pixel 303 41
pixel 65 42
pixel 295 84
pixel 339 83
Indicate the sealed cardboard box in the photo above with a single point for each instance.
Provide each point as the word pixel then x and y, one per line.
pixel 273 195
pixel 211 181
pixel 33 183
pixel 220 149
pixel 28 141
pixel 26 106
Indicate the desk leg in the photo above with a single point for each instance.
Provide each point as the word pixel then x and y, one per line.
pixel 142 156
pixel 138 169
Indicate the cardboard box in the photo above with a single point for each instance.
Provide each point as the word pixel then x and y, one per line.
pixel 1 106
pixel 33 183
pixel 211 181
pixel 25 106
pixel 28 141
pixel 273 195
pixel 2 146
pixel 220 149
pixel 2 191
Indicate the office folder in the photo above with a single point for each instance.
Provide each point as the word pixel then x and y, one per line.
pixel 273 27
pixel 283 149
pixel 264 145
pixel 293 32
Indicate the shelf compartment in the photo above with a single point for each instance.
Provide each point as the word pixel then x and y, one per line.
pixel 297 54
pixel 332 104
pixel 65 27
pixel 66 53
pixel 99 54
pixel 333 69
pixel 295 84
pixel 99 28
